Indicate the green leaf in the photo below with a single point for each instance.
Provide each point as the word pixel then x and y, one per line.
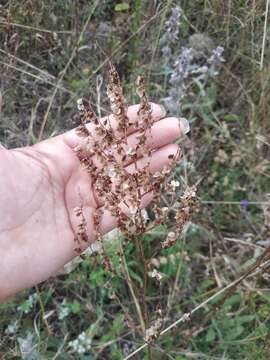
pixel 211 335
pixel 231 117
pixel 75 307
pixel 245 319
pixel 118 325
pixel 121 7
pixel 234 333
pixel 207 284
pixel 136 277
pixel 234 300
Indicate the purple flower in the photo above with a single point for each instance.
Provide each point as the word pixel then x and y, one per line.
pixel 177 80
pixel 244 204
pixel 215 61
pixel 216 56
pixel 171 33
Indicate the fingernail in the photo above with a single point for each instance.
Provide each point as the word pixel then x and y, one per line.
pixel 163 111
pixel 184 125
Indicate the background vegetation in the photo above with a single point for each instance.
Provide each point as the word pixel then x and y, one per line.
pixel 53 52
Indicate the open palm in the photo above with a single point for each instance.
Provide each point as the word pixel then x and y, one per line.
pixel 39 188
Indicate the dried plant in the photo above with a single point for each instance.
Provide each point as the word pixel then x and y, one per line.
pixel 121 191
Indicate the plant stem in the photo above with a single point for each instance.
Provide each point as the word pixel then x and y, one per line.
pixel 129 282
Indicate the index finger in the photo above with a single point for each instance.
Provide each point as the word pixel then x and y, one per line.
pixel 158 112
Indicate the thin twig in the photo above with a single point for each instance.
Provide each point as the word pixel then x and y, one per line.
pixel 177 277
pixel 59 351
pixel 46 74
pixel 33 28
pixel 49 331
pixel 129 282
pixel 243 242
pixel 167 7
pixel 57 86
pixel 234 202
pixel 264 34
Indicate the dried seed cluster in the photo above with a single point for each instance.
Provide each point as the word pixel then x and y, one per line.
pixel 120 175
pixel 153 331
pixel 107 154
pixel 186 205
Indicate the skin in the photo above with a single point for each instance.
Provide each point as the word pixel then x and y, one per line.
pixel 41 185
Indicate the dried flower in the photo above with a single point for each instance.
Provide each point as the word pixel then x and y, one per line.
pixel 117 101
pixel 153 332
pixel 174 184
pixel 81 235
pixel 156 274
pixel 187 205
pixel 170 240
pixel 80 105
pixel 186 317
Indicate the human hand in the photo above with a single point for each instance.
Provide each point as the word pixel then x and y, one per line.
pixel 39 188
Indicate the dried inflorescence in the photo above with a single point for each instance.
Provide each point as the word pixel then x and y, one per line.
pixel 120 191
pixel 117 102
pixel 154 331
pixel 186 205
pixel 81 235
pixel 105 154
pixel 120 175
